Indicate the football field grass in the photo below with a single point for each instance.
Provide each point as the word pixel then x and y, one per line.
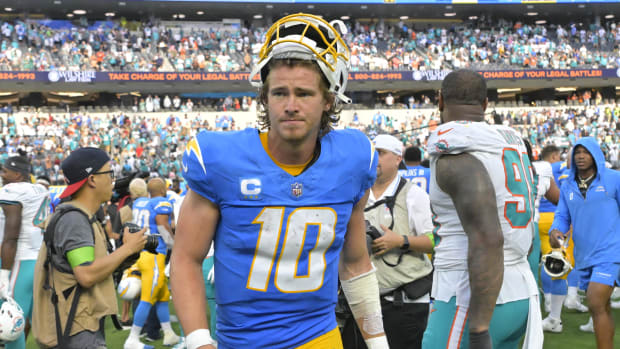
pixel 570 338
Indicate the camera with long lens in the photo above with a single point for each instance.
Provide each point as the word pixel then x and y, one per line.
pixel 121 185
pixel 150 246
pixel 152 240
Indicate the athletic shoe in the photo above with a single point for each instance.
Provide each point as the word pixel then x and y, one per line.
pixel 126 325
pixel 615 304
pixel 616 293
pixel 151 339
pixel 589 327
pixel 181 344
pixel 574 304
pixel 171 338
pixel 550 324
pixel 131 343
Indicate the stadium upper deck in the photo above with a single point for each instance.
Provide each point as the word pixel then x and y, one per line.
pixel 208 46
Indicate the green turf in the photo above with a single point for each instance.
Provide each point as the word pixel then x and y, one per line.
pixel 115 338
pixel 570 338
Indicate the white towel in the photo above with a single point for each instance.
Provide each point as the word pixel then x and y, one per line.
pixel 534 334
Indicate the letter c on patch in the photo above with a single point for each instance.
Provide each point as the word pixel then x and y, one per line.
pixel 250 186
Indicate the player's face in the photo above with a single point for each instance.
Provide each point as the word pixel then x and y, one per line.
pixel 387 165
pixel 295 104
pixel 9 176
pixel 583 159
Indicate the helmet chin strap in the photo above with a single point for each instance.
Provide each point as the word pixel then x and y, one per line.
pixel 341 26
pixel 343 98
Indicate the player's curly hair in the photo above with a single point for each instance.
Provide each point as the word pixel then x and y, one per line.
pixel 328 118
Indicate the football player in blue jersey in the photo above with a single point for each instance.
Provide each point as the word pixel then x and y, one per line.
pixel 157 213
pixel 561 290
pixel 416 173
pixel 284 207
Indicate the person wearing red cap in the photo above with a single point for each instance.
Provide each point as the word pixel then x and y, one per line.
pixel 79 259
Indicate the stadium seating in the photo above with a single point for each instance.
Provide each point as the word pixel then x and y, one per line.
pixel 43 45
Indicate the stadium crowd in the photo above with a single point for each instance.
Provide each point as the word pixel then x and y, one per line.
pixel 97 154
pixel 41 45
pixel 137 141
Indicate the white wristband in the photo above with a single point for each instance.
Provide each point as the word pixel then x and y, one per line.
pixel 198 338
pixel 377 343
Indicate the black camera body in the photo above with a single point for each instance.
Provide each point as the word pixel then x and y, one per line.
pixel 372 231
pixel 121 185
pixel 152 240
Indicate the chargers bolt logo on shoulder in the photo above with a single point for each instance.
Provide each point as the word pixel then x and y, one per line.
pixel 194 147
pixel 250 188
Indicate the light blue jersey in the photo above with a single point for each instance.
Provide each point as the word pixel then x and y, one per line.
pixel 279 237
pixel 144 212
pixel 418 175
pixel 140 212
pixel 159 206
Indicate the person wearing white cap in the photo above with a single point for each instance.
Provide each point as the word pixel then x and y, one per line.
pixel 397 212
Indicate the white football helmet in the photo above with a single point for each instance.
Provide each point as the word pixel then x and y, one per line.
pixel 129 288
pixel 307 37
pixel 556 264
pixel 12 321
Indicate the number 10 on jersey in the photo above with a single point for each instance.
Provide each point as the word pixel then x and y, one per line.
pixel 286 277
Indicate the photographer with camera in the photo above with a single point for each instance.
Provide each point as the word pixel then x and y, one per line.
pixel 396 212
pixel 73 286
pixel 157 215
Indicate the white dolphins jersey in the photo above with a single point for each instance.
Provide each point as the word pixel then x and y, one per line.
pixel 35 202
pixel 504 156
pixel 544 174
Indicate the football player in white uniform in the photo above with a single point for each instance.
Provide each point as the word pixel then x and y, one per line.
pixel 482 199
pixel 24 207
pixel 545 187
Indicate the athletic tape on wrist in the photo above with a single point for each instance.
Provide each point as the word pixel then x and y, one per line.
pixel 198 338
pixel 362 292
pixel 377 343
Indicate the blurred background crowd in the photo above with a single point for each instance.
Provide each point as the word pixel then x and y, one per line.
pixel 154 45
